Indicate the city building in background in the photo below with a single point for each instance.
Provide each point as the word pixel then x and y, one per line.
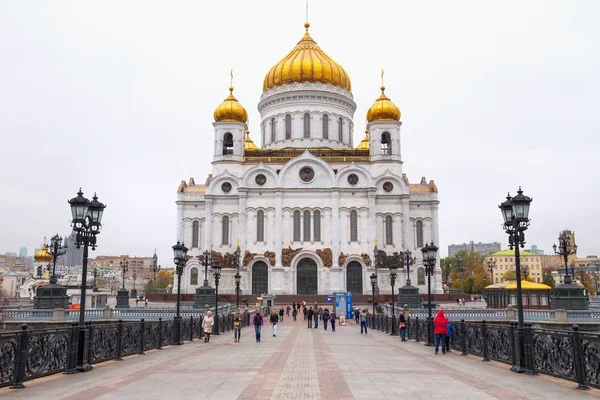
pixel 534 249
pixel 481 248
pixel 23 252
pixel 141 266
pixel 15 263
pixel 531 264
pixel 74 256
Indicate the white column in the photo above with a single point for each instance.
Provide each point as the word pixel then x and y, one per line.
pixel 405 224
pixel 208 233
pixel 242 221
pixel 335 226
pixel 179 227
pixel 435 234
pixel 372 222
pixel 278 227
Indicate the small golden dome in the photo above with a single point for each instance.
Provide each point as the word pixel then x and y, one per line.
pixel 307 63
pixel 230 110
pixel 249 142
pixel 383 109
pixel 42 254
pixel 364 144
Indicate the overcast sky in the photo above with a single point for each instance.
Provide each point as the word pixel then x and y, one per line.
pixel 117 97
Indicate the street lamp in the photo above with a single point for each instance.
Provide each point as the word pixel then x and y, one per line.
pixel 217 276
pixel 409 260
pixel 565 250
pixel 376 263
pixel 237 276
pixel 56 249
pixel 515 212
pixel 155 269
pixel 179 258
pixel 373 286
pixel 87 223
pixel 460 267
pixel 124 268
pixel 206 261
pixel 491 265
pixel 95 289
pixel 429 260
pixel 393 274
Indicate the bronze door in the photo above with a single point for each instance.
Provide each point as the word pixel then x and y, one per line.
pixel 307 280
pixel 354 278
pixel 260 278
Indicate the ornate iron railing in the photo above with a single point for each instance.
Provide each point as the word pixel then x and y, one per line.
pixel 570 355
pixel 30 354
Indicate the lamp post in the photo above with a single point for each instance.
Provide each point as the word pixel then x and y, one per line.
pixel 237 276
pixel 564 250
pixel 217 276
pixel 204 294
pixel 408 262
pixel 122 293
pixel 206 261
pixel 393 274
pixel 376 264
pixel 179 258
pixel 460 267
pixel 515 212
pixel 134 290
pixel 491 265
pixel 56 249
pixel 373 286
pixel 53 295
pixel 87 223
pixel 95 273
pixel 429 261
pixel 155 269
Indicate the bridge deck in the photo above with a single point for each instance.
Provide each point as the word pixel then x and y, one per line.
pixel 299 364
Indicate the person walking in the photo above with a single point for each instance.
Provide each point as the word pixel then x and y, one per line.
pixel 281 314
pixel 448 336
pixel 332 320
pixel 310 317
pixel 325 318
pixel 304 312
pixel 287 311
pixel 207 326
pixel 237 329
pixel 258 322
pixel 294 313
pixel 402 325
pixel 294 305
pixel 275 320
pixel 440 330
pixel 316 314
pixel 363 321
pixel 146 303
pixel 357 315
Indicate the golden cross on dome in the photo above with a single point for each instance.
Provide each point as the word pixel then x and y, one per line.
pixel 382 77
pixel 375 241
pixel 306 10
pixel 231 78
pixel 238 242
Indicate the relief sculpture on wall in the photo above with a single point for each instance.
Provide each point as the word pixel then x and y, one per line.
pixel 224 261
pixel 287 255
pixel 248 257
pixel 326 256
pixel 271 256
pixel 366 259
pixel 342 258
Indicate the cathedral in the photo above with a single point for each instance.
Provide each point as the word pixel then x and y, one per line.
pixel 308 208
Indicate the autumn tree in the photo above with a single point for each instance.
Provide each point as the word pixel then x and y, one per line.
pixel 510 275
pixel 588 282
pixel 547 278
pixel 164 278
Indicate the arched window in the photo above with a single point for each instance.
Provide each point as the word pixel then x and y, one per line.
pixel 419 233
pixel 386 144
pixel 194 276
pixel 325 126
pixel 317 226
pixel 195 230
pixel 288 126
pixel 421 276
pixel 273 129
pixel 260 226
pixel 225 230
pixel 340 129
pixel 307 226
pixel 353 226
pixel 307 125
pixel 296 226
pixel 227 144
pixel 389 236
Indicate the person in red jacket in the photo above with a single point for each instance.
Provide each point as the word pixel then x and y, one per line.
pixel 440 330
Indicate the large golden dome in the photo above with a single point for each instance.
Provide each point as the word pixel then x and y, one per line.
pixel 42 254
pixel 383 109
pixel 230 110
pixel 307 63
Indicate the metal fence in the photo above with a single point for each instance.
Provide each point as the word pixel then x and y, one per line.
pixel 30 354
pixel 503 314
pixel 570 355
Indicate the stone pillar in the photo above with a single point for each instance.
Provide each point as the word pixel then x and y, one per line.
pixel 242 222
pixel 510 313
pixel 560 315
pixel 372 222
pixel 208 232
pixel 107 313
pixel 335 227
pixel 58 314
pixel 278 227
pixel 179 227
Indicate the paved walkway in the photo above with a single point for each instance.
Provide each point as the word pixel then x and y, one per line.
pixel 299 364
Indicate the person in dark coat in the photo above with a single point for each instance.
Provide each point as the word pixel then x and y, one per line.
pixel 332 319
pixel 357 315
pixel 325 318
pixel 440 323
pixel 402 325
pixel 311 314
pixel 257 321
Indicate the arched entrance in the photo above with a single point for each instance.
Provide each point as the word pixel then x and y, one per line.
pixel 307 280
pixel 354 278
pixel 260 278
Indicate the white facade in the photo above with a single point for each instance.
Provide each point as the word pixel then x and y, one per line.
pixel 306 195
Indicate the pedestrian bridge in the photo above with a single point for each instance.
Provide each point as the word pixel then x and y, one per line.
pixel 299 363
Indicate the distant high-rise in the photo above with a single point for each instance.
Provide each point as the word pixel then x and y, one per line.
pixel 23 252
pixel 481 248
pixel 74 256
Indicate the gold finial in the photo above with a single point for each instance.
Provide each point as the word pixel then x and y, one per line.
pixel 306 23
pixel 44 241
pixel 238 242
pixel 375 241
pixel 382 85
